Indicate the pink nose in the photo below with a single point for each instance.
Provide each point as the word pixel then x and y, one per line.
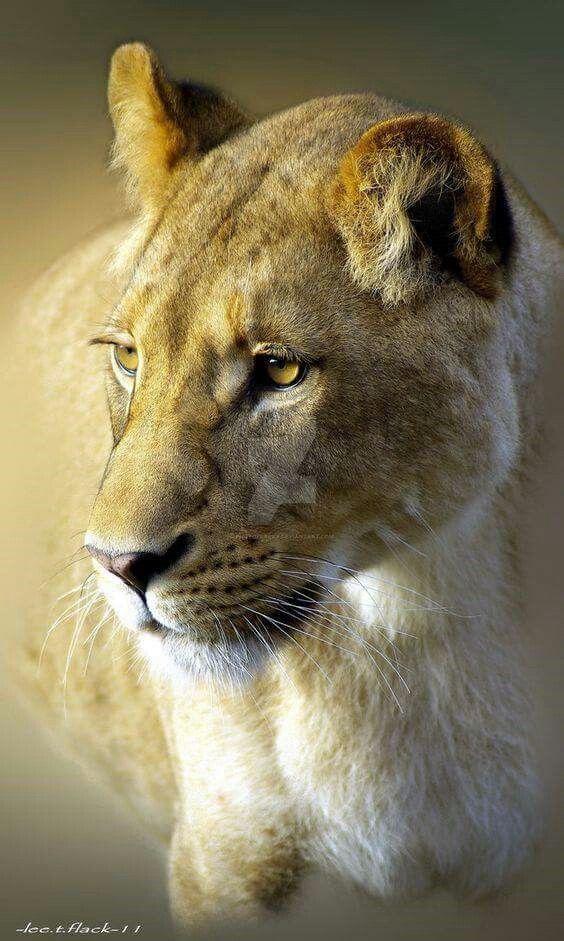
pixel 134 568
pixel 137 568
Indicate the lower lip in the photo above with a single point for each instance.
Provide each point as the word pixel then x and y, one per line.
pixel 155 627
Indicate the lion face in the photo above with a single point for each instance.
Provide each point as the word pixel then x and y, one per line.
pixel 277 420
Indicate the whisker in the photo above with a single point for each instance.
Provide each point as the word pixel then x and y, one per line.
pixel 97 599
pixel 63 569
pixel 367 646
pixel 409 605
pixel 94 634
pixel 339 601
pixel 66 614
pixel 65 594
pixel 281 628
pixel 242 647
pixel 397 538
pixel 271 650
pixel 345 619
pixel 354 573
pixel 280 604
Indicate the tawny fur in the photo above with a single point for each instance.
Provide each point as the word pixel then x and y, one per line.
pixel 396 755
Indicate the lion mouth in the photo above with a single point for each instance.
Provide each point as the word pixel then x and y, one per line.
pixel 273 618
pixel 236 650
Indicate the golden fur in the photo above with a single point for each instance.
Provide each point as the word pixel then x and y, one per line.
pixel 338 682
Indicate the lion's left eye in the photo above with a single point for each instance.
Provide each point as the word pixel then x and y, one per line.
pixel 126 358
pixel 275 372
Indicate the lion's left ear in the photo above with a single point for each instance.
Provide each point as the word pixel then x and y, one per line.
pixel 415 197
pixel 159 122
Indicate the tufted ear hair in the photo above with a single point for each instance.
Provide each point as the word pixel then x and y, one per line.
pixel 418 197
pixel 159 122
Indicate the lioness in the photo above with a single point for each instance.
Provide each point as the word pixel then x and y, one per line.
pixel 319 346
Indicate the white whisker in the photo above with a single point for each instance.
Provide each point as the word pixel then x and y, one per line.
pixel 283 630
pixel 364 644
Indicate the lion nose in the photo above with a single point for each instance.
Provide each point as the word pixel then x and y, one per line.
pixel 134 568
pixel 137 568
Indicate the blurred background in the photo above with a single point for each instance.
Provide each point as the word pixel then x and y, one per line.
pixel 68 853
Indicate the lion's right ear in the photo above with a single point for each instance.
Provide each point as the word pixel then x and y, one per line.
pixel 158 123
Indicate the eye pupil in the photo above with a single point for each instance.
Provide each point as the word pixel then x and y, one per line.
pixel 126 358
pixel 276 372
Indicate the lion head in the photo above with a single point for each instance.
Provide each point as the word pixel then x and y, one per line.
pixel 306 366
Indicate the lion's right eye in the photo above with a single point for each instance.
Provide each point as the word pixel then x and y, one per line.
pixel 126 359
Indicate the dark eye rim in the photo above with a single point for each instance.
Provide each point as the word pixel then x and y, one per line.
pixel 263 380
pixel 121 367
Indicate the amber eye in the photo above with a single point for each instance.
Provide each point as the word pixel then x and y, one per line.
pixel 276 372
pixel 126 358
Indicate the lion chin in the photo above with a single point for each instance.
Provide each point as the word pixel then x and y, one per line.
pixel 184 659
pixel 319 358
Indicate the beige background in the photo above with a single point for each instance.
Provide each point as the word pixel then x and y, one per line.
pixel 67 852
